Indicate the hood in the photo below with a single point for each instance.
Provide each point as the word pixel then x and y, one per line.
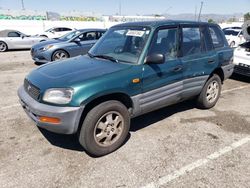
pixel 47 42
pixel 73 71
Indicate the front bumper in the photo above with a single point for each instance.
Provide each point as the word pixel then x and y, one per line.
pixel 228 70
pixel 69 116
pixel 242 69
pixel 40 57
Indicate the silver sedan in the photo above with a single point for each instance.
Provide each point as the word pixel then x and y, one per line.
pixel 12 39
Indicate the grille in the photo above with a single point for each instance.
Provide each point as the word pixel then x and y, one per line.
pixel 32 90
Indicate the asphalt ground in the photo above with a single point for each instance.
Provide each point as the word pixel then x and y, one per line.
pixel 177 146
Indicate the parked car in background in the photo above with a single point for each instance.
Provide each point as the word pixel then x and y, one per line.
pixel 73 44
pixel 55 32
pixel 12 39
pixel 242 59
pixel 133 69
pixel 234 37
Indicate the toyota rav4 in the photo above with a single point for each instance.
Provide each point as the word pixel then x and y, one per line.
pixel 133 69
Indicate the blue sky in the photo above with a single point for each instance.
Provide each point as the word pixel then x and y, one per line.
pixel 132 7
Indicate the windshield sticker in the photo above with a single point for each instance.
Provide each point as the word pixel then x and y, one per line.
pixel 135 33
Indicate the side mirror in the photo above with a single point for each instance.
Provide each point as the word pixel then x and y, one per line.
pixel 77 40
pixel 22 36
pixel 155 59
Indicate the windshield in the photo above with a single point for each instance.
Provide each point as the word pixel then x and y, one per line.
pixel 124 44
pixel 70 35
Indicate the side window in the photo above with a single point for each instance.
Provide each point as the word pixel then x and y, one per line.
pixel 13 34
pixel 65 29
pixel 217 37
pixel 165 42
pixel 206 43
pixel 99 34
pixel 191 43
pixel 88 36
pixel 55 30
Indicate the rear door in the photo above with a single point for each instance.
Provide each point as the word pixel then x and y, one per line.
pixel 162 83
pixel 223 52
pixel 198 58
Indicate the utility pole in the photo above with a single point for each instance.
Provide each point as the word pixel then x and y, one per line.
pixel 22 5
pixel 195 13
pixel 199 18
pixel 120 8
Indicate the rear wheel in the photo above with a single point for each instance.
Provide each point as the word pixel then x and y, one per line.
pixel 105 128
pixel 59 54
pixel 210 92
pixel 3 46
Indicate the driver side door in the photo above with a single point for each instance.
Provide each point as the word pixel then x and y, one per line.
pixel 162 83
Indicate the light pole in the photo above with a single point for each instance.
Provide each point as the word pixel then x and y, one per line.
pixel 199 18
pixel 22 5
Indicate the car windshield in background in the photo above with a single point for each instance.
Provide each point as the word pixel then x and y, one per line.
pixel 70 35
pixel 231 32
pixel 124 44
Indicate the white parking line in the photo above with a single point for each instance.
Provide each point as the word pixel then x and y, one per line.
pixel 7 107
pixel 201 162
pixel 234 89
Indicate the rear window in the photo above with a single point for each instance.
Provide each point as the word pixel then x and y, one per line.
pixel 231 32
pixel 217 38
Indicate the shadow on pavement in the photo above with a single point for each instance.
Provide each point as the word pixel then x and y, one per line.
pixel 158 115
pixel 71 141
pixel 63 141
pixel 240 78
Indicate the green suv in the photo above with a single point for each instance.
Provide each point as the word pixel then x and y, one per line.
pixel 133 69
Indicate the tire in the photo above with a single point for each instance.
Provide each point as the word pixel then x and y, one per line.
pixel 3 46
pixel 59 54
pixel 105 128
pixel 210 93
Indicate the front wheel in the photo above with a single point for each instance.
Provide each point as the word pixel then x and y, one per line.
pixel 59 54
pixel 105 128
pixel 210 93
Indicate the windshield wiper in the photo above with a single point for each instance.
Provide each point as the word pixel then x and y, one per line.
pixel 104 57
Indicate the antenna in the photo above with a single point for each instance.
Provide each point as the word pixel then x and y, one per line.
pixel 22 5
pixel 195 12
pixel 199 18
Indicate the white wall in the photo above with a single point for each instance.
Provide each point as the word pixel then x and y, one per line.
pixel 233 24
pixel 32 27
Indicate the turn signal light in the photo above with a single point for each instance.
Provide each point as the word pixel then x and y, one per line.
pixel 53 120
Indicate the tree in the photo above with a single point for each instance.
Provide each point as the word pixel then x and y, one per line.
pixel 247 16
pixel 210 20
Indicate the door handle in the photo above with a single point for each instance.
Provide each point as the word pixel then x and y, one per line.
pixel 211 61
pixel 177 69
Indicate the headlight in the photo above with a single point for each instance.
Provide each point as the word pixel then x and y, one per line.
pixel 58 95
pixel 46 47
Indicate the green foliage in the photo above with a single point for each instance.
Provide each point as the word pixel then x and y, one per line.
pixel 247 16
pixel 210 20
